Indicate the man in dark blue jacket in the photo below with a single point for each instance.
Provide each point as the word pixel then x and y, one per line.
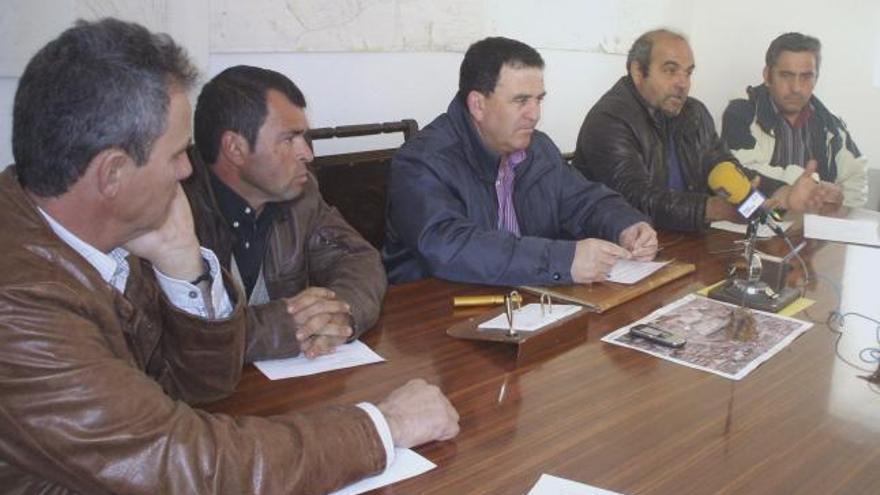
pixel 480 196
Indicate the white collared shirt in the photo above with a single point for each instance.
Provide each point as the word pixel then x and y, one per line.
pixel 113 268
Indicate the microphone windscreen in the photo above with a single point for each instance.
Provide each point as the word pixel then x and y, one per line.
pixel 728 181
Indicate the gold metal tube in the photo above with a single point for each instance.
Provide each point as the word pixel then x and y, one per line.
pixel 484 300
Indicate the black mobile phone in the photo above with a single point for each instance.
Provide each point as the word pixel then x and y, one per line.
pixel 658 335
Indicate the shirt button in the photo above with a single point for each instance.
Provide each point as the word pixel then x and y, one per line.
pixel 247 245
pixel 247 209
pixel 557 276
pixel 235 224
pixel 193 294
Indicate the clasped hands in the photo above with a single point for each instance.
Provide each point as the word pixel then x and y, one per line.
pixel 321 321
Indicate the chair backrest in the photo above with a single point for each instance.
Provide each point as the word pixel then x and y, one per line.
pixel 356 183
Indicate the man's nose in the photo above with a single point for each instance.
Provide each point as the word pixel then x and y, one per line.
pixel 303 151
pixel 533 110
pixel 683 82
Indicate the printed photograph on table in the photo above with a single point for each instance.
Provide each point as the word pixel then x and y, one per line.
pixel 721 338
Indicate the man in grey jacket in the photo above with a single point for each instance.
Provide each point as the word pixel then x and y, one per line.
pixel 480 195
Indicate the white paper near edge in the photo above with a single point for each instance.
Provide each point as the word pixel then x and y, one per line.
pixel 553 485
pixel 346 356
pixel 407 464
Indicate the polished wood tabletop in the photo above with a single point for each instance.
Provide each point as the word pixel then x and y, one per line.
pixel 803 422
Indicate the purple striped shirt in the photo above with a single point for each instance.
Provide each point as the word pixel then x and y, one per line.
pixel 504 188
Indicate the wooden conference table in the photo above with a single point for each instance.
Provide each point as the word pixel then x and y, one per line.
pixel 612 417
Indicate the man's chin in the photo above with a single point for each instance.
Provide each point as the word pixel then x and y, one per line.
pixel 292 192
pixel 524 143
pixel 672 112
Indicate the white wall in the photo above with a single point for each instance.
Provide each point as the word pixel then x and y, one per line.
pixel 729 40
pixel 356 88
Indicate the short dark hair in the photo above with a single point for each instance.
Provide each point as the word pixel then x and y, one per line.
pixel 641 49
pixel 235 100
pixel 793 42
pixel 99 85
pixel 483 61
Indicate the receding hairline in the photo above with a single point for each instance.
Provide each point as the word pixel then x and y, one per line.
pixel 662 35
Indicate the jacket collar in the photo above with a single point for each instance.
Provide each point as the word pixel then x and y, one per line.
pixel 767 117
pixel 40 235
pixel 657 118
pixel 482 159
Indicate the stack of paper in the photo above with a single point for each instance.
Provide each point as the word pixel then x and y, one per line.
pixel 859 226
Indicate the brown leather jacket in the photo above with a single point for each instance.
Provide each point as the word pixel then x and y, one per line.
pixel 309 244
pixel 96 387
pixel 623 144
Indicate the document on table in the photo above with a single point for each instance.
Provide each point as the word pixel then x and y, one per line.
pixel 860 226
pixel 552 485
pixel 531 317
pixel 764 231
pixel 346 356
pixel 407 464
pixel 630 272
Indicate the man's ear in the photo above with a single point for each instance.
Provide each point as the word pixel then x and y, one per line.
pixel 476 103
pixel 109 170
pixel 234 148
pixel 766 75
pixel 635 72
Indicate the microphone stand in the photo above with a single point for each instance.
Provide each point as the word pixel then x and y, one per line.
pixel 751 291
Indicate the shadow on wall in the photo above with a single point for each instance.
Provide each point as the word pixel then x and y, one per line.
pixel 873 189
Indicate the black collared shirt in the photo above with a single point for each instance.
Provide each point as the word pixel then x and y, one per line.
pixel 250 230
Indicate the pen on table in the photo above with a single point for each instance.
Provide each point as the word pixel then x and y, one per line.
pixel 483 300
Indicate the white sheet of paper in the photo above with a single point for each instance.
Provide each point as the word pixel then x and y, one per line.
pixel 407 464
pixel 630 272
pixel 764 231
pixel 859 227
pixel 553 485
pixel 346 356
pixel 528 318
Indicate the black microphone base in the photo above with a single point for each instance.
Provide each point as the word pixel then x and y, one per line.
pixel 754 295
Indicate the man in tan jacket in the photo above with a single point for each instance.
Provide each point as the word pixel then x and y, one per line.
pixel 114 321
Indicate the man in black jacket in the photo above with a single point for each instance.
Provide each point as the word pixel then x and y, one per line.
pixel 655 145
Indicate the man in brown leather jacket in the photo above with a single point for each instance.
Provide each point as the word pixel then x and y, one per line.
pixel 113 320
pixel 311 280
pixel 651 142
